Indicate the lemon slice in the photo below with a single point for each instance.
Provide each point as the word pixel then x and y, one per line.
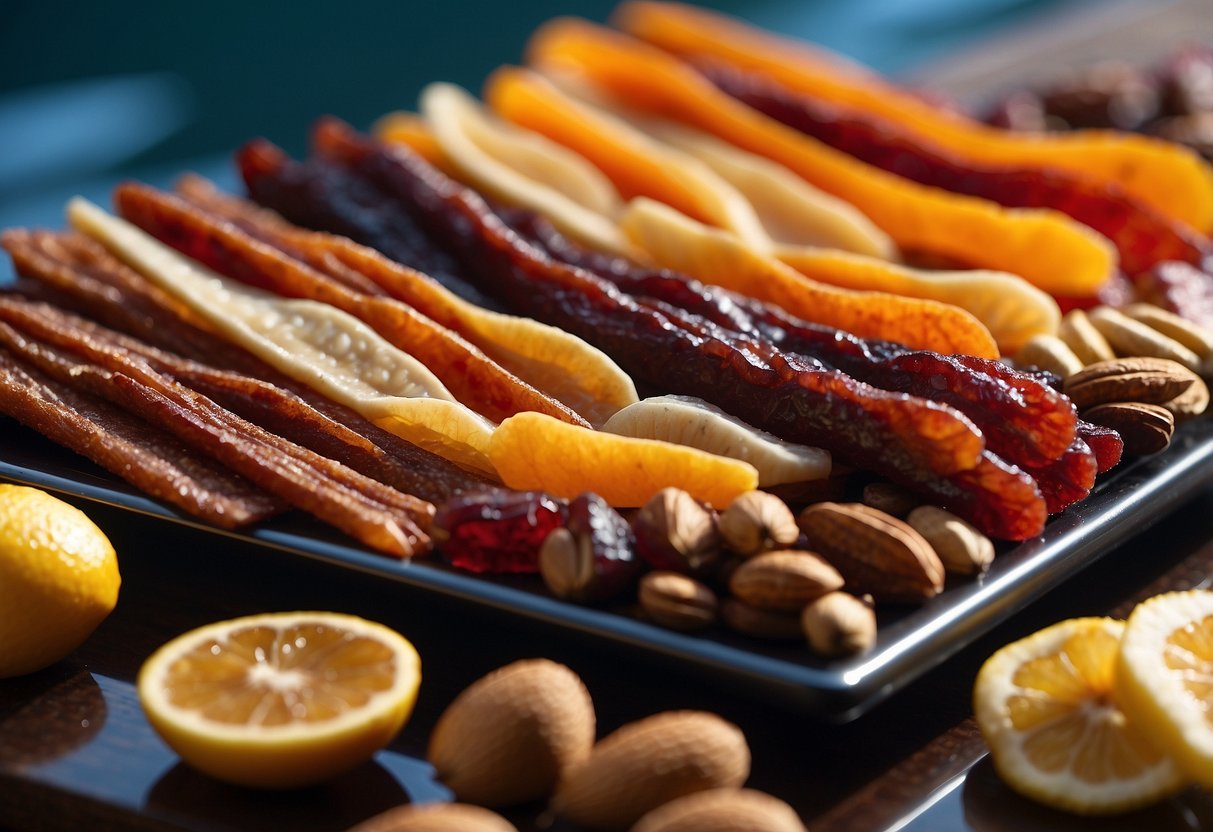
pixel 1164 676
pixel 532 451
pixel 314 343
pixel 1046 707
pixel 282 699
pixel 695 423
pixel 58 579
pixel 524 168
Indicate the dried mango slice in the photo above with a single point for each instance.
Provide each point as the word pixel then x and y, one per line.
pixel 314 343
pixel 716 257
pixel 1010 308
pixel 1167 177
pixel 411 130
pixel 536 452
pixel 1044 246
pixel 637 164
pixel 524 168
pixel 551 360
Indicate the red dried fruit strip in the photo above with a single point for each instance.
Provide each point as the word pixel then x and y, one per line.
pixel 85 277
pixel 496 531
pixel 909 440
pixel 471 376
pixel 1142 235
pixel 1023 419
pixel 145 456
pixel 1182 288
pixel 1017 513
pixel 1105 444
pixel 380 517
pixel 1069 479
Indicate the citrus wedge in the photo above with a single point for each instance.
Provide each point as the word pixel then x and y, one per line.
pixel 283 699
pixel 719 258
pixel 697 424
pixel 1046 707
pixel 1166 176
pixel 314 343
pixel 636 163
pixel 1164 676
pixel 1044 246
pixel 532 451
pixel 524 168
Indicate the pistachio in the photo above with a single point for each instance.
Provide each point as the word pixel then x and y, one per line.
pixel 839 624
pixel 675 532
pixel 677 601
pixel 758 522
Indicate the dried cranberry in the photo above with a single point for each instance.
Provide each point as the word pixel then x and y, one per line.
pixel 496 530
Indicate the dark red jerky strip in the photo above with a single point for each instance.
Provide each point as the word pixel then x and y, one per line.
pixel 146 457
pixel 1018 513
pixel 1023 420
pixel 1105 443
pixel 1069 479
pixel 371 512
pixel 817 407
pixel 1143 236
pixel 107 290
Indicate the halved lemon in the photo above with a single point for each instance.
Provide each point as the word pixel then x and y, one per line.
pixel 280 700
pixel 1164 676
pixel 1047 708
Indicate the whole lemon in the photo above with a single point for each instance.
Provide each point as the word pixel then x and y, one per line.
pixel 58 579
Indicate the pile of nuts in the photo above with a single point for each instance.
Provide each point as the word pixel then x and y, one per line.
pixel 526 733
pixel 1136 370
pixel 762 571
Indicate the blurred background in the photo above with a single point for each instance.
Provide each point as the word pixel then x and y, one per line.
pixel 91 93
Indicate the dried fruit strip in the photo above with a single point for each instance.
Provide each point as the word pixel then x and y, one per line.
pixel 1142 235
pixel 85 277
pixel 1171 179
pixel 140 453
pixel 380 517
pixel 472 377
pixel 921 219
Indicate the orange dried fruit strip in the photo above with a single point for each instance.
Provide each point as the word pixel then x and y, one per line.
pixel 559 365
pixel 922 219
pixel 1167 177
pixel 472 377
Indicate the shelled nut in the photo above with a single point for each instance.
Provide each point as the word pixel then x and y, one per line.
pixel 961 547
pixel 1133 338
pixel 1145 428
pixel 839 624
pixel 1048 352
pixel 783 581
pixel 677 601
pixel 1137 379
pixel 755 622
pixel 1083 338
pixel 1194 337
pixel 674 531
pixel 758 522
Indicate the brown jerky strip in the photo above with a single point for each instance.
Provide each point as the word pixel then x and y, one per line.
pixel 1142 235
pixel 369 511
pixel 473 378
pixel 145 456
pixel 110 290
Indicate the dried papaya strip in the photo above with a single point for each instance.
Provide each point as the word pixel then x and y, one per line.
pixel 1041 245
pixel 561 365
pixel 468 373
pixel 1169 178
pixel 1142 235
pixel 376 515
pixel 153 461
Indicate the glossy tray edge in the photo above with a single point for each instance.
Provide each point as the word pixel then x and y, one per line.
pixel 1126 502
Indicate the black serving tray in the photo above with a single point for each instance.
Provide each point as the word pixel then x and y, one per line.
pixel 909 643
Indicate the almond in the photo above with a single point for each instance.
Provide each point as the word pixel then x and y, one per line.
pixel 1145 428
pixel 436 817
pixel 758 522
pixel 1138 379
pixel 648 763
pixel 509 736
pixel 783 581
pixel 1192 402
pixel 677 601
pixel 749 620
pixel 963 549
pixel 722 810
pixel 839 624
pixel 875 552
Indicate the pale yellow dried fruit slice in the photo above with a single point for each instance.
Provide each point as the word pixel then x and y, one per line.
pixel 524 168
pixel 1164 676
pixel 636 163
pixel 695 423
pixel 1046 707
pixel 677 242
pixel 792 211
pixel 532 451
pixel 313 343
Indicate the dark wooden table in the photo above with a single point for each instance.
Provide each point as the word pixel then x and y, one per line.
pixel 76 751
